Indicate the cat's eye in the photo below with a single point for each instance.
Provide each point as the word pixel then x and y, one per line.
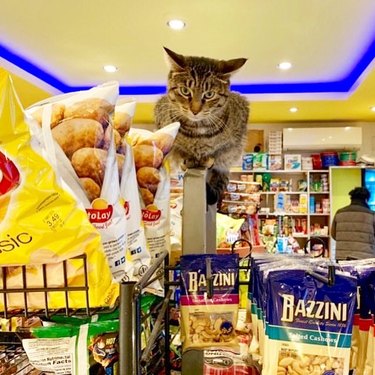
pixel 209 94
pixel 185 91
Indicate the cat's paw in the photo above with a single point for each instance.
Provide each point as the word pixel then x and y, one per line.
pixel 183 166
pixel 190 163
pixel 207 162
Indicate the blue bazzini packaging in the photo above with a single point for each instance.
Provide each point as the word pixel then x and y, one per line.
pixel 308 324
pixel 209 301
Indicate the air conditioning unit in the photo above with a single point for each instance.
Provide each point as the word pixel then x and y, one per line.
pixel 341 138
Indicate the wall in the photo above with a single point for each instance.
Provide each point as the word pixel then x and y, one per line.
pixel 342 181
pixel 368 131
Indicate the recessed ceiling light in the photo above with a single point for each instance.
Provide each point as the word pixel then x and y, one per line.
pixel 110 68
pixel 176 24
pixel 285 65
pixel 372 108
pixel 293 109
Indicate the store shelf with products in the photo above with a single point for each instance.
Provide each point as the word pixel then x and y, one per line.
pixel 292 203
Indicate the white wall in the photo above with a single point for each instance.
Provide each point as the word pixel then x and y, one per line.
pixel 368 131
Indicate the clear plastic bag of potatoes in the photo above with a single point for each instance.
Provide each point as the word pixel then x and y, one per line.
pixel 150 150
pixel 81 142
pixel 137 244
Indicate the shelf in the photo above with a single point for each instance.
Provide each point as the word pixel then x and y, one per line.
pixel 281 214
pixel 239 170
pixel 282 192
pixel 292 177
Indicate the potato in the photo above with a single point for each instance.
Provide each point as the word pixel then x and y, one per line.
pixel 107 138
pixel 122 122
pixel 161 140
pixel 147 196
pixel 93 108
pixel 90 162
pixel 147 156
pixel 148 176
pixel 56 116
pixel 77 133
pixel 92 189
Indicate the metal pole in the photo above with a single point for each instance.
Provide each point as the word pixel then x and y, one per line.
pixel 128 331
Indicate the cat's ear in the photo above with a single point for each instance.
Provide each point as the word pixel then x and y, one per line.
pixel 231 66
pixel 174 60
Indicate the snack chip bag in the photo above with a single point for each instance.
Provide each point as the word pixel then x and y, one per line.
pixel 85 148
pixel 137 246
pixel 209 301
pixel 308 323
pixel 152 171
pixel 40 221
pixel 90 348
pixel 53 349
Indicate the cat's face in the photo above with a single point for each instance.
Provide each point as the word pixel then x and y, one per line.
pixel 199 86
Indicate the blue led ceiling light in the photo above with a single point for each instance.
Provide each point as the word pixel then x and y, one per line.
pixel 341 86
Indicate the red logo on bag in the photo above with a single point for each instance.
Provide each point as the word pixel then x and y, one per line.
pixel 100 212
pixel 127 208
pixel 151 213
pixel 9 175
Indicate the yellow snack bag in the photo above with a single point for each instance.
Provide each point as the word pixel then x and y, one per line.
pixel 40 221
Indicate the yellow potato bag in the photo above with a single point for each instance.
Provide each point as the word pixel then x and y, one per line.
pixel 40 221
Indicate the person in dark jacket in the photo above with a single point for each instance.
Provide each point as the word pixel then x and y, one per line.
pixel 353 227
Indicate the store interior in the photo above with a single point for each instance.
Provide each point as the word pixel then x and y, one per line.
pixel 248 285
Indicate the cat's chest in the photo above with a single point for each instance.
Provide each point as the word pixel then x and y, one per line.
pixel 197 146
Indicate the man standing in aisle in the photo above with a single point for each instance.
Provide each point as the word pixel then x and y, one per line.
pixel 353 227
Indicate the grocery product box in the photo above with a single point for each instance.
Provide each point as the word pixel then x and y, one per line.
pixel 247 161
pixel 275 162
pixel 292 162
pixel 260 161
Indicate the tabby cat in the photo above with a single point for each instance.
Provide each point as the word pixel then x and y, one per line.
pixel 213 119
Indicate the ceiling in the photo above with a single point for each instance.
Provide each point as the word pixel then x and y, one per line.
pixel 58 46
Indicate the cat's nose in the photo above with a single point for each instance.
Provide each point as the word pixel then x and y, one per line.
pixel 196 108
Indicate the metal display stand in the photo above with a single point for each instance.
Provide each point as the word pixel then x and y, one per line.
pixel 13 359
pixel 198 237
pixel 131 358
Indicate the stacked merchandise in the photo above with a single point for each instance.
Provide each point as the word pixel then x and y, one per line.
pixel 362 359
pixel 211 320
pixel 241 197
pixel 275 149
pixel 302 317
pixel 86 345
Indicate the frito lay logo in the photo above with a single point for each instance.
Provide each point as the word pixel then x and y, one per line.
pixel 9 175
pixel 126 206
pixel 151 213
pixel 100 212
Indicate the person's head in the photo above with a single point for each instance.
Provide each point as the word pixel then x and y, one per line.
pixel 360 193
pixel 257 147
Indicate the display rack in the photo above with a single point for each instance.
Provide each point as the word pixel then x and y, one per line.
pixel 13 360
